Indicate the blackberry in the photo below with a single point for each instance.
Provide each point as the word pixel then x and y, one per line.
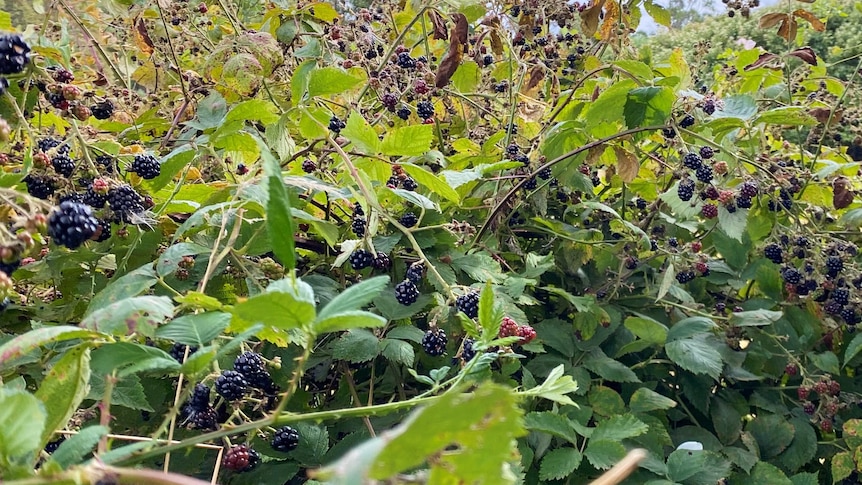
pixel 692 161
pixel 425 110
pixel 545 173
pixel 14 54
pixel 710 193
pixel 406 292
pixel 371 53
pixel 71 224
pixel 749 189
pixel 285 439
pixel 205 419
pixel 434 342
pixel 389 101
pixel 308 166
pixel 58 101
pixel 641 203
pixel 841 295
pixel 393 182
pixel 791 275
pixel 46 144
pixel 147 166
pixel 630 262
pixel 730 207
pixel 360 259
pixel 685 190
pixel 832 307
pixel 773 253
pixel 686 121
pixel 501 87
pixel 469 304
pixel 806 287
pixel 710 211
pixel 63 165
pixel 240 458
pixel 252 368
pixel 336 124
pixel 125 202
pixel 415 272
pixel 409 184
pixel 487 60
pixel 52 446
pixel 673 242
pixel 231 385
pixel 467 350
pixel 834 265
pixel 200 398
pixel 531 184
pixel 39 187
pixel 706 153
pixel 850 316
pixel 357 225
pixel 668 132
pixel 704 173
pixel 404 61
pixel 743 202
pixel 62 75
pixel 685 276
pixel 708 106
pixel 102 110
pixel 381 261
pixel 409 219
pixel 103 233
pixel 178 351
pixel 403 113
pixel 107 164
pixel 94 199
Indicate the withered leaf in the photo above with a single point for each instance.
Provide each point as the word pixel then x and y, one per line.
pixel 142 38
pixel 536 76
pixel 440 31
pixel 590 18
pixel 788 29
pixel 461 26
pixel 627 165
pixel 496 43
pixel 762 60
pixel 815 22
pixel 820 114
pixel 807 54
pixel 594 154
pixel 842 196
pixel 610 22
pixel 772 19
pixel 457 42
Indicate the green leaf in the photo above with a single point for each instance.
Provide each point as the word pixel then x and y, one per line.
pixel 852 350
pixel 648 106
pixel 726 421
pixel 480 266
pixel 355 297
pixel 559 463
pixel 23 417
pixel 279 221
pixel 645 400
pixel 417 199
pixel 826 361
pixel 802 449
pixel 140 314
pixel 690 327
pixel 696 467
pixel 432 182
pixel 126 286
pixel 647 329
pixel 695 355
pixel 128 392
pixel 609 369
pixel 772 433
pixel 555 387
pixel 169 260
pixel 73 450
pixel 741 106
pixel 64 388
pixel 195 329
pixel 767 474
pixel 253 110
pixel 552 423
pixel 128 358
pixel 787 116
pixel 356 345
pixel 608 107
pixel 348 320
pixel 277 310
pixel 842 466
pixel 490 314
pixel 604 454
pixel 658 13
pixel 25 343
pixel 408 141
pixel 618 428
pixel 398 351
pixel 805 479
pixel 754 318
pixel 330 80
pixel 732 224
pixel 361 134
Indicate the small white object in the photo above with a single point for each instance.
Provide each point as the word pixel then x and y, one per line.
pixel 691 446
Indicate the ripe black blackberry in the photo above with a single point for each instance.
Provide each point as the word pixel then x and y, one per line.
pixel 832 307
pixel 178 351
pixel 403 113
pixel 285 439
pixel 200 397
pixel 434 342
pixel 545 173
pixel 46 144
pixel 467 350
pixel 708 106
pixel 357 225
pixel 487 60
pixel 231 385
pixel 668 132
pixel 106 164
pixel 103 233
pixel 147 166
pixel 381 261
pixel 52 446
pixel 39 187
pixel 336 124
pixel 125 202
pixel 673 242
pixel 706 152
pixel 406 292
pixel 94 199
pixel 71 224
pixel 469 304
pixel 425 110
pixel 308 166
pixel 641 203
pixel 704 173
pixel 692 161
pixel 834 265
pixel 630 262
pixel 531 184
pixel 63 165
pixel 240 458
pixel 14 54
pixel 405 61
pixel 773 253
pixel 205 419
pixel 9 267
pixel 748 189
pixel 686 121
pixel 743 202
pixel 501 87
pixel 409 184
pixel 415 272
pixel 841 295
pixel 685 276
pixel 791 275
pixel 409 219
pixel 360 259
pixel 850 316
pixel 253 369
pixel 102 110
pixel 685 190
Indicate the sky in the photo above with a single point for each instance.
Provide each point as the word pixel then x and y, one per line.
pixel 648 26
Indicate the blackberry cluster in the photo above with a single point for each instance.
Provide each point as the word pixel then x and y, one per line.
pixel 381 261
pixel 39 187
pixel 71 224
pixel 251 366
pixel 125 202
pixel 198 413
pixel 434 342
pixel 102 110
pixel 231 385
pixel 178 351
pixel 361 259
pixel 336 124
pixel 415 272
pixel 685 276
pixel 285 439
pixel 685 190
pixel 405 61
pixel 469 304
pixel 357 224
pixel 240 458
pixel 147 166
pixel 409 219
pixel 425 110
pixel 14 54
pixel 406 292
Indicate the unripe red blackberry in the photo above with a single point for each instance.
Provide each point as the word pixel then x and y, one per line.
pixel 527 334
pixel 240 458
pixel 508 328
pixel 709 211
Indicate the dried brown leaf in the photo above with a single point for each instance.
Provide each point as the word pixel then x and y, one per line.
pixel 772 19
pixel 788 29
pixel 842 196
pixel 611 21
pixel 496 43
pixel 627 165
pixel 812 19
pixel 142 38
pixel 590 18
pixel 457 42
pixel 461 27
pixel 440 31
pixel 536 76
pixel 762 60
pixel 807 54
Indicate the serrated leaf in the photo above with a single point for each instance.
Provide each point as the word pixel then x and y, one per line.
pixel 552 423
pixel 755 318
pixel 347 320
pixel 726 421
pixel 696 356
pixel 825 361
pixel 648 106
pixel 279 220
pixel 658 13
pixel 417 199
pixel 64 388
pixel 330 80
pixel 696 467
pixel 23 417
pixel 140 314
pixel 431 182
pixel 195 329
pixel 559 463
pixel 787 116
pixel 25 343
pixel 276 309
pixel 732 224
pixel 479 266
pixel 842 466
pixel 645 400
pixel 647 329
pixel 767 474
pixel 618 428
pixel 607 368
pixel 253 110
pixel 490 314
pixel 128 285
pixel 555 387
pixel 361 134
pixel 398 351
pixel 667 280
pixel 73 450
pixel 356 345
pixel 853 348
pixel 604 454
pixel 355 297
pixel 128 392
pixel 772 433
pixel 802 449
pixel 407 141
pixel 805 479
